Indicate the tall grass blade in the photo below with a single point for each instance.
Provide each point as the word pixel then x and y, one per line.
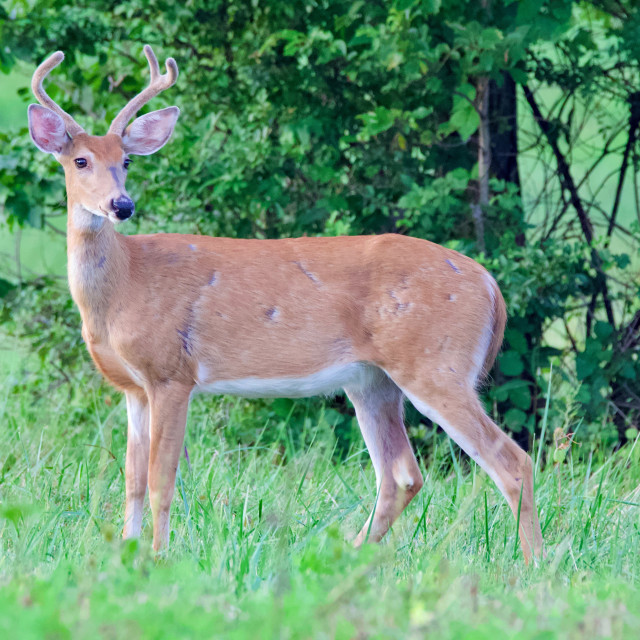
pixel 543 430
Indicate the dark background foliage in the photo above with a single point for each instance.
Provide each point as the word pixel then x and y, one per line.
pixel 352 117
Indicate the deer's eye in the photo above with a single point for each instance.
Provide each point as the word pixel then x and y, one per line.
pixel 127 162
pixel 81 163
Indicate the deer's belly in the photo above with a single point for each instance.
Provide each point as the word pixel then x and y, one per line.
pixel 324 382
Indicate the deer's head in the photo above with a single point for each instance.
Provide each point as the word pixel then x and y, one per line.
pixel 96 166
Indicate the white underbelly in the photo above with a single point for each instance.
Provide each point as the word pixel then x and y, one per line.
pixel 324 382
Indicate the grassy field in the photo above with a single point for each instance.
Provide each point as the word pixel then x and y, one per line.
pixel 262 518
pixel 261 523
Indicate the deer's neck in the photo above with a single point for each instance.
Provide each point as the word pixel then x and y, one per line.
pixel 98 266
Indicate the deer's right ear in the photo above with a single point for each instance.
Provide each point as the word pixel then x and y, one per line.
pixel 148 133
pixel 47 129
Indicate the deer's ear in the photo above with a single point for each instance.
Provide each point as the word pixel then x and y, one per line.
pixel 150 132
pixel 47 129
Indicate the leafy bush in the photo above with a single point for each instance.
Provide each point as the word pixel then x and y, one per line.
pixel 348 117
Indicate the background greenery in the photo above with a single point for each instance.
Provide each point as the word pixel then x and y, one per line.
pixel 339 117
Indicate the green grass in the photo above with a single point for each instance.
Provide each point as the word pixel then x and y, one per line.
pixel 260 530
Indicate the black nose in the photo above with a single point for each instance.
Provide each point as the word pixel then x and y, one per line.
pixel 123 208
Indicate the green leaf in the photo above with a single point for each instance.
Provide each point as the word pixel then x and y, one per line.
pixel 521 397
pixel 431 6
pixel 403 5
pixel 511 363
pixel 585 366
pixel 559 455
pixel 516 340
pixel 5 287
pixel 622 260
pixel 502 391
pixel 514 419
pixel 603 330
pixel 464 117
pixel 628 370
pixel 378 121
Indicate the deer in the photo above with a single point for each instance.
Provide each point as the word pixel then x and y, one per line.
pixel 385 318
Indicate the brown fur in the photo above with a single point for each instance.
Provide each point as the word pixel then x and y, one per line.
pixel 366 310
pixel 162 305
pixel 164 315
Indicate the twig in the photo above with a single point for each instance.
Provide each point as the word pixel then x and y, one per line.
pixel 634 119
pixel 568 184
pixel 54 228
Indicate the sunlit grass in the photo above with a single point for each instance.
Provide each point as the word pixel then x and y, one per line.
pixel 260 537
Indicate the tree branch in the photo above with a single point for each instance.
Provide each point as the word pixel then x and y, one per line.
pixel 634 120
pixel 567 183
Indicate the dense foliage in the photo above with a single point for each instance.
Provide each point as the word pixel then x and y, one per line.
pixel 507 130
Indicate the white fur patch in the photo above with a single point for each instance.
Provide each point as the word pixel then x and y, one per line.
pixel 324 382
pixel 85 219
pixel 135 375
pixel 401 474
pixel 136 413
pixel 480 354
pixel 202 375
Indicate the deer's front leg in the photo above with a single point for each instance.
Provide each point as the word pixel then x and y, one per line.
pixel 137 461
pixel 169 404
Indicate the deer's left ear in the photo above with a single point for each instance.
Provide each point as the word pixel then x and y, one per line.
pixel 150 132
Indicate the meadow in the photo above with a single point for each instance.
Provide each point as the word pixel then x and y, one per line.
pixel 270 494
pixel 261 525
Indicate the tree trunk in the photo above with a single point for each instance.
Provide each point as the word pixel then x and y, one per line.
pixel 503 117
pixel 479 207
pixel 503 120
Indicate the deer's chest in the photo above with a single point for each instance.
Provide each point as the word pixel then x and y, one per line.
pixel 118 372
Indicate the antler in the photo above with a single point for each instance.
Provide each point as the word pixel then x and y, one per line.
pixel 73 128
pixel 157 83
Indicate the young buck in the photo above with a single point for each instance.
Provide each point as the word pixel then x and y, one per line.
pixel 383 317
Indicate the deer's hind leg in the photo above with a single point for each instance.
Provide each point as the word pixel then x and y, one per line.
pixel 379 410
pixel 455 406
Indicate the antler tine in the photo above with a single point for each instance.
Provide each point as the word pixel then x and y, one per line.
pixel 154 67
pixel 73 128
pixel 158 82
